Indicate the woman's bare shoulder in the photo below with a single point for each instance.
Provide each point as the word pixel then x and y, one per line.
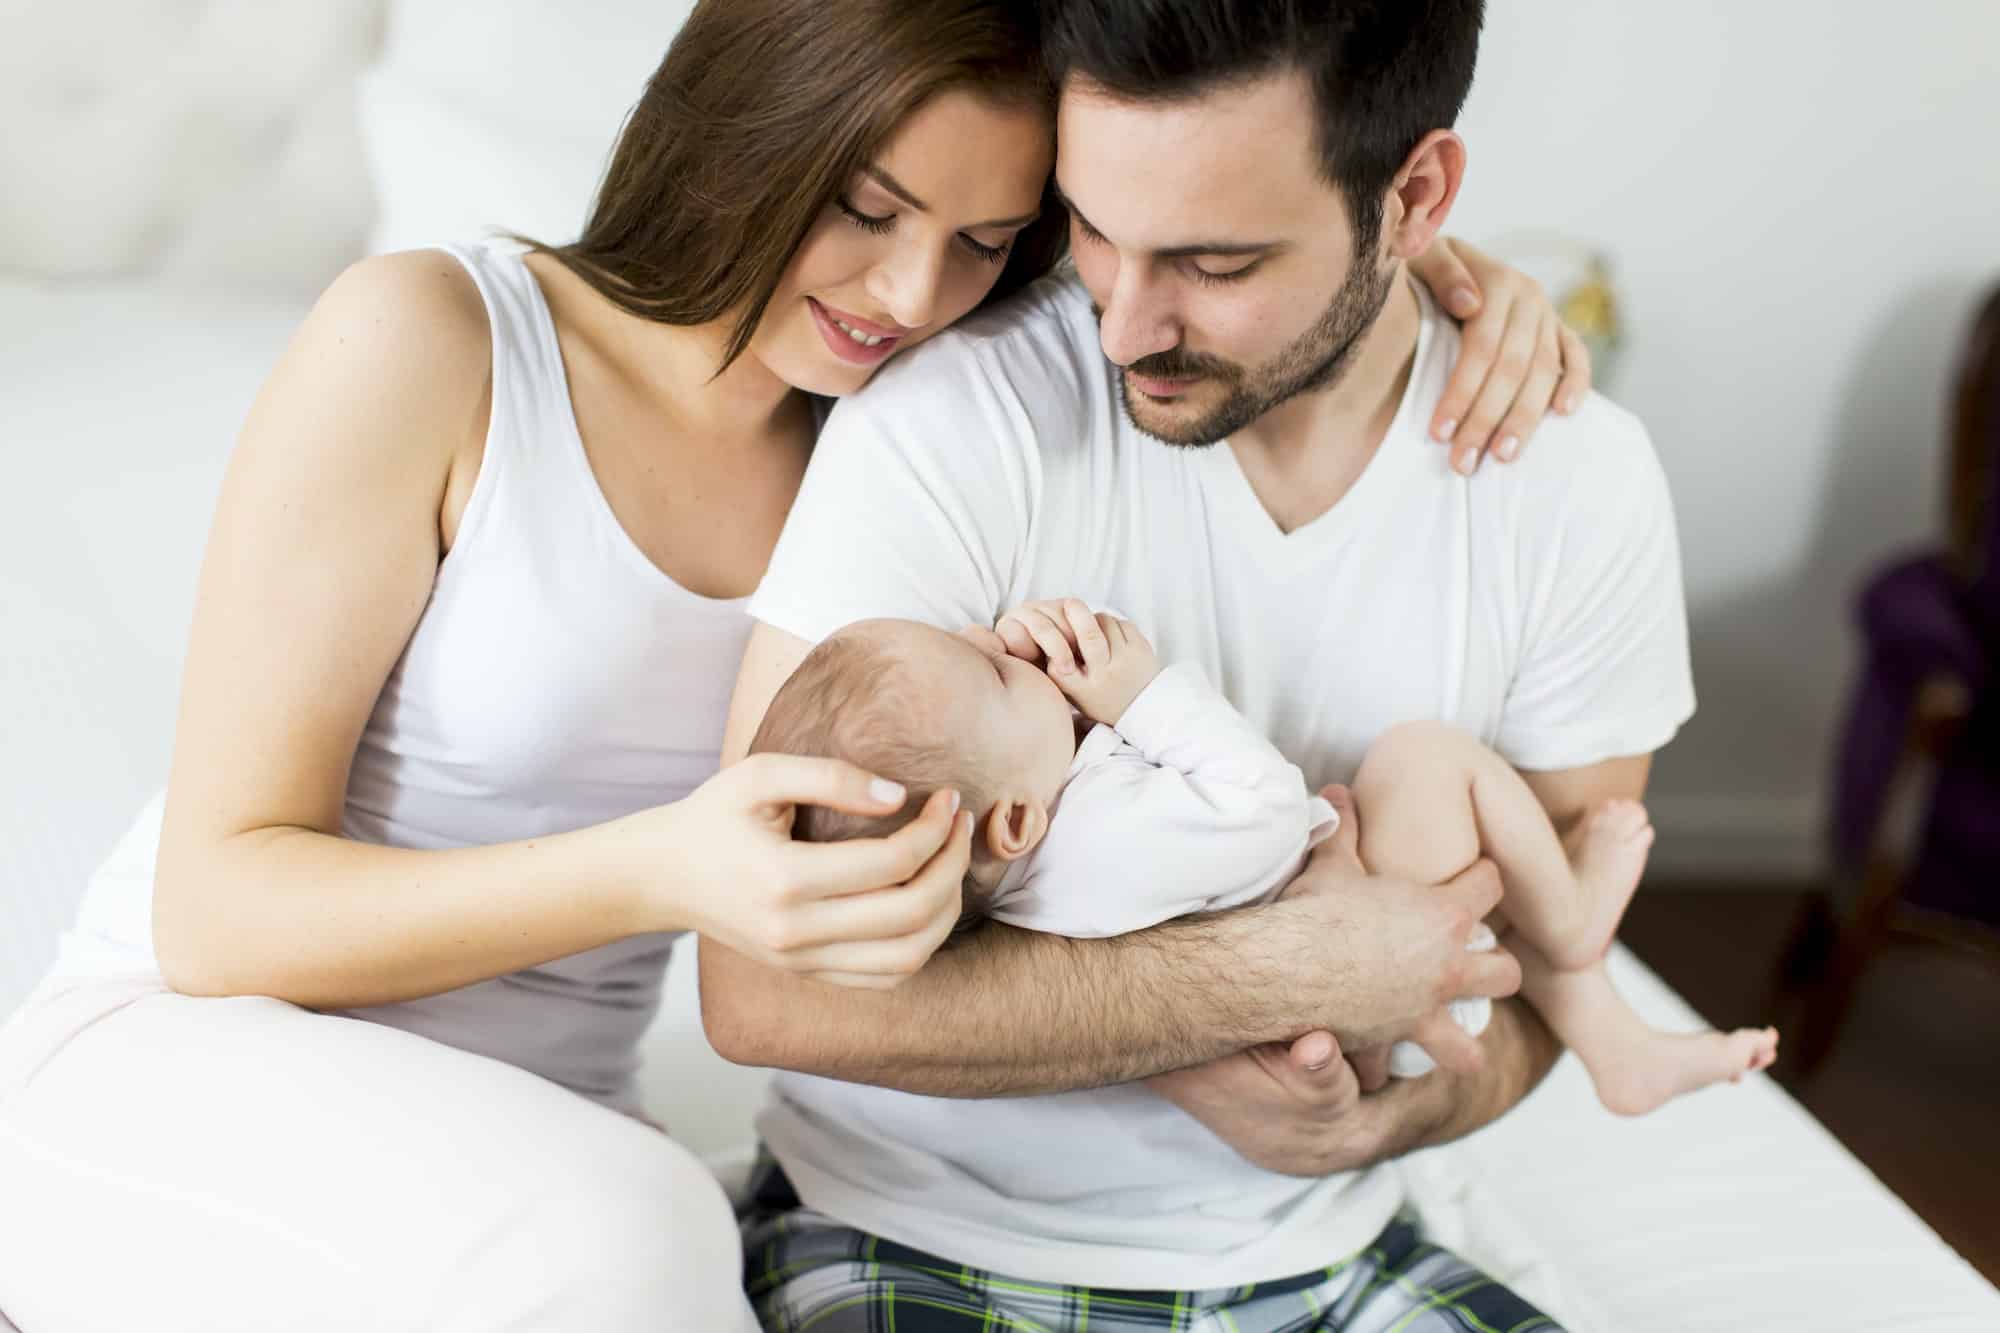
pixel 416 314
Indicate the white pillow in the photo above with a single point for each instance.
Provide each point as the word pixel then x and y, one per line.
pixel 501 114
pixel 210 144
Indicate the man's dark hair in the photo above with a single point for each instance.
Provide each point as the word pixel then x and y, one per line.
pixel 1384 73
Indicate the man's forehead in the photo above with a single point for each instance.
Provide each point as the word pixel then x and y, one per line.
pixel 1240 154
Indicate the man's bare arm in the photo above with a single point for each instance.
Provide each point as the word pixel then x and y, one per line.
pixel 1005 1012
pixel 1010 1012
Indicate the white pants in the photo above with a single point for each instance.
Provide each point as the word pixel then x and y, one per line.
pixel 169 1163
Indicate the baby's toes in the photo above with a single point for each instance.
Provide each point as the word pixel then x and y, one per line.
pixel 1621 819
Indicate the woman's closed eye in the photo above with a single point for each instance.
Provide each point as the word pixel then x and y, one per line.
pixel 886 223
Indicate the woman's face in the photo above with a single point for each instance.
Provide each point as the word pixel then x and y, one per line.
pixel 913 242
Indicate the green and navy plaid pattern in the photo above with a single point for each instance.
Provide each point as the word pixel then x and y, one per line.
pixel 807 1273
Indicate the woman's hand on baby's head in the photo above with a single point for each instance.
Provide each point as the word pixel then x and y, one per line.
pixel 1098 660
pixel 864 912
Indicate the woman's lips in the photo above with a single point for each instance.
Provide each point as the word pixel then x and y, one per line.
pixel 843 345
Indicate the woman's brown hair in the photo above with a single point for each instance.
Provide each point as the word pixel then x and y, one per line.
pixel 760 115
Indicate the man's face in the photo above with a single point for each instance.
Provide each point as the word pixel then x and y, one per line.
pixel 1223 266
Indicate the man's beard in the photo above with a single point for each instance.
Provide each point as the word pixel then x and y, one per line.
pixel 1315 360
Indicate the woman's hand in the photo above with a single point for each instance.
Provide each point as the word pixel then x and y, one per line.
pixel 866 912
pixel 1516 357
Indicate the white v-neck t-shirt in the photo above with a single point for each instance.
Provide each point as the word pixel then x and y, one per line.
pixel 1537 606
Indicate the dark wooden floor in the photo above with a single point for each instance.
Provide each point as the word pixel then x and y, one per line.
pixel 1912 1088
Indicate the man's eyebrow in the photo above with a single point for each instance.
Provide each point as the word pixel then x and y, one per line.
pixel 1191 250
pixel 902 192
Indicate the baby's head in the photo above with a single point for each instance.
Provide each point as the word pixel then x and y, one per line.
pixel 931 710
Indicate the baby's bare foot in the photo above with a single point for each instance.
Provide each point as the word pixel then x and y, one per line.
pixel 1607 851
pixel 1644 1075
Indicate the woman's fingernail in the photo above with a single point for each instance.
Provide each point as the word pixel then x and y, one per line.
pixel 1446 428
pixel 951 802
pixel 1466 463
pixel 1464 300
pixel 1569 405
pixel 1508 448
pixel 886 791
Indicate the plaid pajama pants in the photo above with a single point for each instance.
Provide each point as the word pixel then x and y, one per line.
pixel 807 1273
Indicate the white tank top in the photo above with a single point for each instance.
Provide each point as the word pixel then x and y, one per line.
pixel 556 679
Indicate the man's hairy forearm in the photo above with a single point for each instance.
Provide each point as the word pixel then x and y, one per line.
pixel 1006 1012
pixel 1442 1106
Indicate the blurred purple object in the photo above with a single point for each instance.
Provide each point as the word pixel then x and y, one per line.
pixel 1923 729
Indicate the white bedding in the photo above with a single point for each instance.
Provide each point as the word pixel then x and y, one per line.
pixel 1730 1210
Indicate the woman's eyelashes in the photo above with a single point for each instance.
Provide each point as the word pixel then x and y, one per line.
pixel 882 226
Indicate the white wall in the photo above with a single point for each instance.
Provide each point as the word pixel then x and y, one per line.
pixel 1803 198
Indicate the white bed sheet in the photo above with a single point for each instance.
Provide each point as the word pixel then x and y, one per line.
pixel 118 404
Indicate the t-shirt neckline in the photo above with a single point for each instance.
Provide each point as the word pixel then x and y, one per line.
pixel 1308 537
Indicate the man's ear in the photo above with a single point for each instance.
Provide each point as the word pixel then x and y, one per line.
pixel 1422 195
pixel 1015 827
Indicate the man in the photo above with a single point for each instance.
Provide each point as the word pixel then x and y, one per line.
pixel 1218 430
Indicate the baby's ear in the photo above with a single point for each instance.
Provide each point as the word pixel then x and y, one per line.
pixel 1014 827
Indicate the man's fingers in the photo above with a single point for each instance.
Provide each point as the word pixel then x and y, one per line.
pixel 1493 976
pixel 1345 843
pixel 1314 1051
pixel 1476 889
pixel 1448 1044
pixel 1329 1088
pixel 1371 1067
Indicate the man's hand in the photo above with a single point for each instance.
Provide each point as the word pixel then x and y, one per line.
pixel 1100 662
pixel 1297 1109
pixel 1301 1110
pixel 1395 952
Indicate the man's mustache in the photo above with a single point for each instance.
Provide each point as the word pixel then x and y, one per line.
pixel 1176 363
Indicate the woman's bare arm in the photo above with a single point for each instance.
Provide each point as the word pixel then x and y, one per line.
pixel 325 544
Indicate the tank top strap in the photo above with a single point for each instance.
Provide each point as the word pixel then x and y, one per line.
pixel 532 448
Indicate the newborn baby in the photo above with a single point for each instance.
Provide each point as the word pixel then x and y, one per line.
pixel 1160 800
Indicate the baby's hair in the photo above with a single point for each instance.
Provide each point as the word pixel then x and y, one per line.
pixel 853 700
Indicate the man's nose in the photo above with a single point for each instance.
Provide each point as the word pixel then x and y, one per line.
pixel 1138 320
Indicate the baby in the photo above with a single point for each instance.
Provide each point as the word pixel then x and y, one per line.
pixel 1158 759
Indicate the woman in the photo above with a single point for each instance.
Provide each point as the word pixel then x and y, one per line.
pixel 467 627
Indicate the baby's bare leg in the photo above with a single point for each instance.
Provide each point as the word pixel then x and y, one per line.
pixel 1634 1067
pixel 1431 799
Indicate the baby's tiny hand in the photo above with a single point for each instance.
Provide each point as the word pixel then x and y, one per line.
pixel 1099 661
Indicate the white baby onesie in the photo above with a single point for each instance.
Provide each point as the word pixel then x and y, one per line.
pixel 1183 807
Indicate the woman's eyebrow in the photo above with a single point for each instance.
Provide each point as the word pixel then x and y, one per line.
pixel 902 192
